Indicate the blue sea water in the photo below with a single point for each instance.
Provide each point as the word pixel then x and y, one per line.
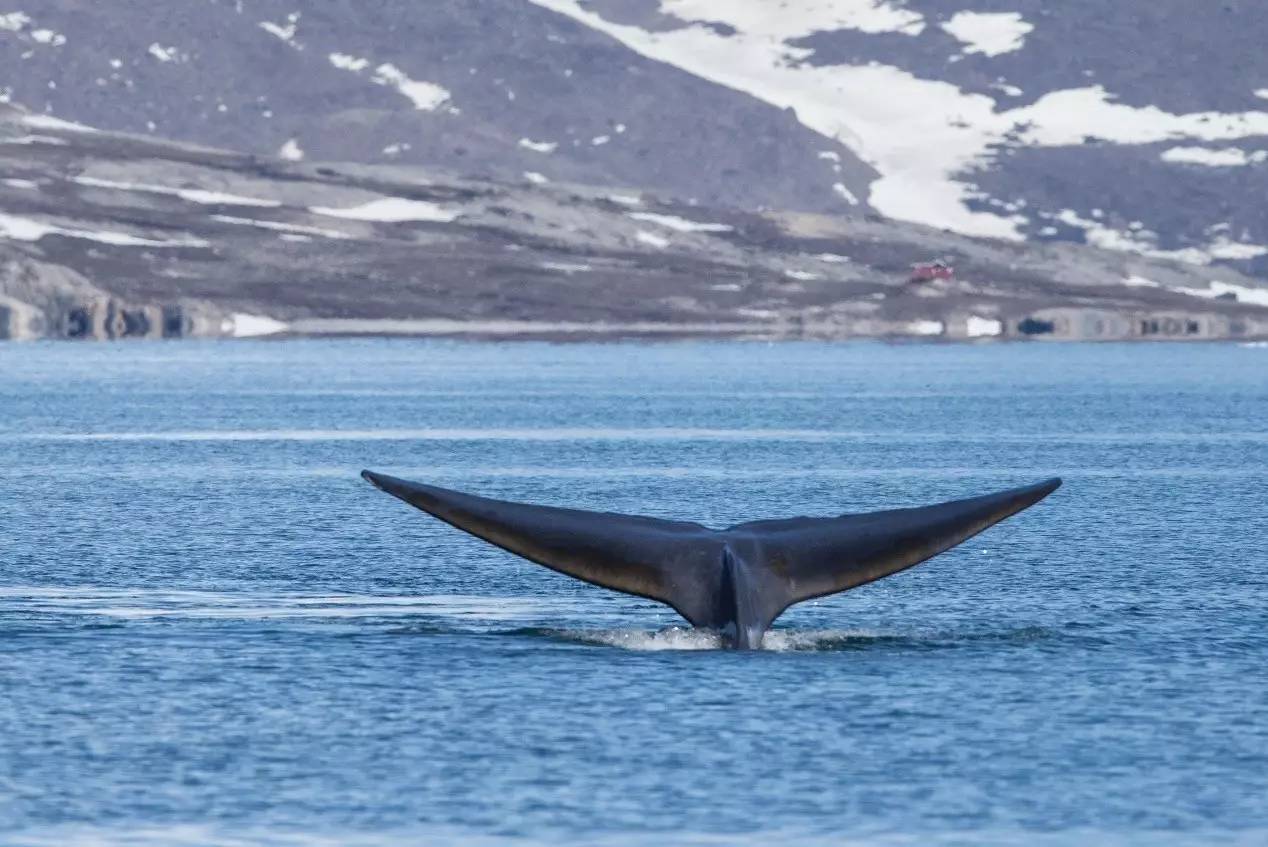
pixel 213 632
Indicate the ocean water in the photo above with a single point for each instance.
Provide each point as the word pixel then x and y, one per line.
pixel 213 632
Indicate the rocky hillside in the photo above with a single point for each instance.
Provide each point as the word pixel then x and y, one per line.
pixel 106 235
pixel 1137 126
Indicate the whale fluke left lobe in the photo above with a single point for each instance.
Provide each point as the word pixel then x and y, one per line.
pixel 673 562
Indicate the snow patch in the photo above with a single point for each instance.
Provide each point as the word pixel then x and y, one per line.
pixel 539 146
pixel 989 33
pixel 290 151
pixel 792 19
pixel 983 327
pixel 846 194
pixel 48 37
pixel 678 224
pixel 833 258
pixel 191 195
pixel 14 21
pixel 802 276
pixel 925 328
pixel 241 325
pixel 425 96
pixel 20 21
pixel 344 62
pixel 1063 118
pixel 27 184
pixel 565 267
pixel 652 239
pixel 1254 296
pixel 396 149
pixel 50 122
pixel 1227 157
pixel 535 178
pixel 25 229
pixel 166 54
pixel 391 210
pixel 1263 93
pixel 1143 241
pixel 919 134
pixel 626 199
pixel 1222 248
pixel 279 226
pixel 285 32
pixel 600 140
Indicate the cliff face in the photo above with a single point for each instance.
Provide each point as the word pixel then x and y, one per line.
pixel 105 235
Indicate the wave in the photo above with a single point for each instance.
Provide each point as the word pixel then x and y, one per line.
pixel 134 604
pixel 199 835
pixel 776 640
pixel 638 434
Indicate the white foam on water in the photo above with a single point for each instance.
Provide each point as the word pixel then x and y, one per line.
pixel 682 638
pixel 642 640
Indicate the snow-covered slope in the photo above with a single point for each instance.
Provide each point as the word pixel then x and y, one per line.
pixel 1133 125
pixel 1139 125
pixel 499 88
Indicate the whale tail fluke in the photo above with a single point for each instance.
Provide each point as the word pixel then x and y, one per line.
pixel 752 570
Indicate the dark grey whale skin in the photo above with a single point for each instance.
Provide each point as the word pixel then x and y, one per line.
pixel 736 581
